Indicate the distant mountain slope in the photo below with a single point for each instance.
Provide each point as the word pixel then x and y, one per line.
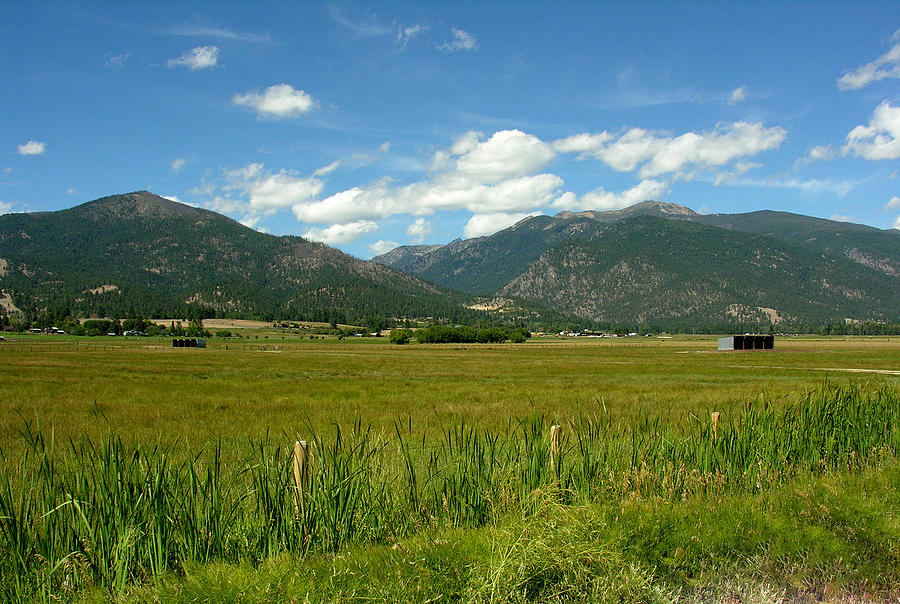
pixel 646 269
pixel 655 260
pixel 484 265
pixel 140 253
pixel 863 244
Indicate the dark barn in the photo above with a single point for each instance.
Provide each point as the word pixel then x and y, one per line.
pixel 747 342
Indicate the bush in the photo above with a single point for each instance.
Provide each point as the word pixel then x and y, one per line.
pixel 401 336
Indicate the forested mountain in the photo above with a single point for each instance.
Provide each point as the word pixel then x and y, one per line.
pixel 863 244
pixel 140 254
pixel 658 263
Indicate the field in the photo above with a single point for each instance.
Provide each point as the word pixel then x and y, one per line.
pixel 815 415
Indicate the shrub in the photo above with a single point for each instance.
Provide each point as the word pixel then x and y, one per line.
pixel 401 336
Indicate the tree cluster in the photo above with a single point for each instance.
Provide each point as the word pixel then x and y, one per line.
pixel 443 334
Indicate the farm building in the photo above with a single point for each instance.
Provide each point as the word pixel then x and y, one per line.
pixel 747 342
pixel 188 343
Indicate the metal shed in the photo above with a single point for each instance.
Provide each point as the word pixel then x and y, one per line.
pixel 188 343
pixel 747 342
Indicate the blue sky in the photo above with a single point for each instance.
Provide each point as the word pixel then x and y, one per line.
pixel 369 125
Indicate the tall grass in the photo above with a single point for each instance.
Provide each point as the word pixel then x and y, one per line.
pixel 105 514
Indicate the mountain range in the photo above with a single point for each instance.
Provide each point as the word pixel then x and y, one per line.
pixel 654 264
pixel 139 254
pixel 662 263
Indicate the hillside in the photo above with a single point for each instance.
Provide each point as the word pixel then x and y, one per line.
pixel 657 262
pixel 863 244
pixel 142 254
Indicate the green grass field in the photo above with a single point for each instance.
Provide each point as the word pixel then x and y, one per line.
pixel 145 388
pixel 441 439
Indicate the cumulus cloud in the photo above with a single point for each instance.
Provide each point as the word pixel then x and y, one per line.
pixel 202 57
pixel 880 139
pixel 481 176
pixel 655 154
pixel 893 204
pixel 600 199
pixel 481 225
pixel 278 101
pixel 341 233
pixel 31 148
pixel 897 223
pixel 272 190
pixel 252 192
pixel 5 207
pixel 446 192
pixel 885 66
pixel 382 247
pixel 462 41
pixel 818 153
pixel 507 154
pixel 738 95
pixel 418 230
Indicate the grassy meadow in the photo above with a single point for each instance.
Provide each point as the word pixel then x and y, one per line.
pixel 144 388
pixel 136 471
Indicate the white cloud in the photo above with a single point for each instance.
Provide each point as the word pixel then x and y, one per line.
pixel 822 153
pixel 740 168
pixel 419 230
pixel 117 62
pixel 278 101
pixel 600 199
pixel 880 139
pixel 818 153
pixel 462 41
pixel 326 170
pixel 492 176
pixel 657 154
pixel 341 233
pixel 738 95
pixel 507 154
pixel 202 57
pixel 885 66
pixel 32 148
pixel 5 207
pixel 893 204
pixel 446 192
pixel 585 144
pixel 252 192
pixel 843 218
pixel 480 225
pixel 367 29
pixel 382 247
pixel 71 191
pixel 897 223
pixel 204 31
pixel 272 190
pixel 839 188
pixel 385 146
pixel 179 164
pixel 405 34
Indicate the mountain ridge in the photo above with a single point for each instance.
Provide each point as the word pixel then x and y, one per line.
pixel 165 258
pixel 536 260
